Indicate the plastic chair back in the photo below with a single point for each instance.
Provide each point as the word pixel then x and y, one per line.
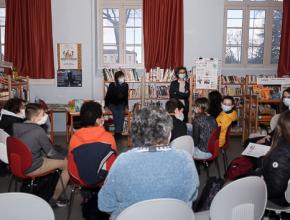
pixel 19 157
pixel 213 143
pixel 243 199
pixel 3 146
pixel 157 209
pixel 287 192
pixel 183 143
pixel 19 206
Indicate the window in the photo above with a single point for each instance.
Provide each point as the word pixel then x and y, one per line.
pixel 121 35
pixel 2 31
pixel 252 32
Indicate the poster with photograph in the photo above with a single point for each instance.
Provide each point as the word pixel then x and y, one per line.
pixel 69 78
pixel 69 56
pixel 206 73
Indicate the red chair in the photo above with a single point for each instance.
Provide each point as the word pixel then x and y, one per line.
pixel 76 182
pixel 20 159
pixel 213 148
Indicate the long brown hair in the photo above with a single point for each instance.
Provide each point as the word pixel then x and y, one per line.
pixel 282 130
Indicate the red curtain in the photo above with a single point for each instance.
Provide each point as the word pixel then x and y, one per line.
pixel 163 33
pixel 28 37
pixel 284 59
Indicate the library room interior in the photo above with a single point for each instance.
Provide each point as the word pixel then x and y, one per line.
pixel 144 109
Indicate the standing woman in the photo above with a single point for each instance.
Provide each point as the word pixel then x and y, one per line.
pixel 117 101
pixel 179 89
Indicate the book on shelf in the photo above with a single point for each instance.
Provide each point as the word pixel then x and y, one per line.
pixel 130 74
pixel 232 91
pixel 271 92
pixel 134 92
pixel 252 79
pixel 160 75
pixel 153 103
pixel 157 91
pixel 232 79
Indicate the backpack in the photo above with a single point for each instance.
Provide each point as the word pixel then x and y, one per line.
pixel 239 167
pixel 43 186
pixel 212 187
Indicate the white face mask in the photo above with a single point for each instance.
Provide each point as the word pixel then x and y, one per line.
pixel 286 102
pixel 21 114
pixel 121 80
pixel 181 76
pixel 226 108
pixel 180 117
pixel 43 120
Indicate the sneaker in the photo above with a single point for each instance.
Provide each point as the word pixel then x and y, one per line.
pixel 58 203
pixel 198 154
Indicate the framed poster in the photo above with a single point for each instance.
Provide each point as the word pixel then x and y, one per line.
pixel 69 78
pixel 69 56
pixel 206 73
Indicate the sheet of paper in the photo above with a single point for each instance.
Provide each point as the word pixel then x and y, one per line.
pixel 256 150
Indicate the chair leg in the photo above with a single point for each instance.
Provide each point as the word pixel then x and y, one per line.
pixel 10 183
pixel 31 186
pixel 71 201
pixel 218 167
pixel 225 160
pixel 207 169
pixel 62 184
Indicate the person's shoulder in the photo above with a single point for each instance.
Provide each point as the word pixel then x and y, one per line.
pixel 181 156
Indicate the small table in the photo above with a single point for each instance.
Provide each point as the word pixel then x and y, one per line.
pixel 54 108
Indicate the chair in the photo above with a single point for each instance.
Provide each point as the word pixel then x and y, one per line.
pixel 157 209
pixel 213 148
pixel 3 146
pixel 243 199
pixel 279 209
pixel 20 159
pixel 19 206
pixel 183 143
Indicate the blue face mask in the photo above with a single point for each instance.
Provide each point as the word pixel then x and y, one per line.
pixel 286 102
pixel 181 117
pixel 226 108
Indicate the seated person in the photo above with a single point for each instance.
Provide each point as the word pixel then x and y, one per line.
pixel 12 112
pixel 175 109
pixel 226 118
pixel 276 169
pixel 202 125
pixel 152 169
pixel 92 131
pixel 44 157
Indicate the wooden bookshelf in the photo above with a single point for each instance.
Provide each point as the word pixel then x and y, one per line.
pixel 10 88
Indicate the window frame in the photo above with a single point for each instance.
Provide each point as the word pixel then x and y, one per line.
pixel 246 6
pixel 2 5
pixel 122 5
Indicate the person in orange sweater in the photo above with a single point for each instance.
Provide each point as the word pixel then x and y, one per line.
pixel 226 118
pixel 92 131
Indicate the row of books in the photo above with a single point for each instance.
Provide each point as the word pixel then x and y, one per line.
pixel 232 79
pixel 266 92
pixel 232 91
pixel 153 103
pixel 156 91
pixel 134 93
pixel 160 75
pixel 252 79
pixel 130 74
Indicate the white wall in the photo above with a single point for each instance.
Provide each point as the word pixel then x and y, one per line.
pixel 203 29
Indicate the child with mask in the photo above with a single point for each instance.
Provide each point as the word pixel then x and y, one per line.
pixel 179 89
pixel 117 101
pixel 226 118
pixel 44 157
pixel 202 125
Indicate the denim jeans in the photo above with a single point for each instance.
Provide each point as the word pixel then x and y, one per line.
pixel 118 112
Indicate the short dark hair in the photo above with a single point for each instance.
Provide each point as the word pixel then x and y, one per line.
pixel 118 74
pixel 173 104
pixel 178 69
pixel 14 105
pixel 202 103
pixel 90 112
pixel 230 98
pixel 32 109
pixel 286 90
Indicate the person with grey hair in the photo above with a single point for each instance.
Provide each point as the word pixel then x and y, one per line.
pixel 152 169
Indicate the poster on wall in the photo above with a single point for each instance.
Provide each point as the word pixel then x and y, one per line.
pixel 69 78
pixel 206 73
pixel 69 56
